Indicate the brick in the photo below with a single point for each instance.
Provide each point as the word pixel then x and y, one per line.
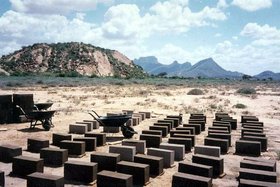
pixel 90 142
pixel 191 129
pixel 196 126
pixel 127 153
pixel 266 166
pixel 95 124
pixel 140 172
pixel 114 179
pixel 171 122
pixel 54 156
pixel 44 180
pixel 153 132
pixel 201 122
pixel 191 136
pixel 106 161
pixel 24 165
pixel 216 162
pixel 254 183
pixel 78 128
pixel 244 147
pixel 262 140
pixel 179 132
pixel 207 150
pixel 187 142
pixel 155 163
pixel 58 137
pixel 183 179
pixel 7 152
pixel 75 148
pixel 140 145
pixel 151 140
pixel 36 144
pixel 195 169
pixel 258 175
pixel 164 124
pixel 89 125
pixel 100 138
pixel 168 156
pixel 179 150
pixel 221 136
pixel 84 172
pixel 163 129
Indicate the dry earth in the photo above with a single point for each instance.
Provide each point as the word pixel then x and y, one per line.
pixel 72 104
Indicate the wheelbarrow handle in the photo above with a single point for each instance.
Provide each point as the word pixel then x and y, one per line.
pixel 95 113
pixel 96 118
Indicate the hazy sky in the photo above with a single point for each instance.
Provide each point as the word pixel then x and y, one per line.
pixel 241 35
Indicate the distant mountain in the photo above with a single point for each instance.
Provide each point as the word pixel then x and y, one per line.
pixel 268 75
pixel 69 58
pixel 205 68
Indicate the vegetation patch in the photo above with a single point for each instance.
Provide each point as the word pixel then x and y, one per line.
pixel 246 91
pixel 195 91
pixel 240 105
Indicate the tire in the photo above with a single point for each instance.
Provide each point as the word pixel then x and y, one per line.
pixel 128 132
pixel 46 125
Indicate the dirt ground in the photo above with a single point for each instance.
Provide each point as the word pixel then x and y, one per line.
pixel 73 103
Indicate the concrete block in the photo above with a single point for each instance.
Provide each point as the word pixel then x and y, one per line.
pixel 163 129
pixel 135 121
pixel 196 126
pixel 266 166
pixel 243 130
pixel 75 148
pixel 191 129
pixel 84 172
pixel 154 132
pixel 89 125
pixel 218 132
pixel 272 163
pixel 168 156
pixel 187 142
pixel 7 152
pixel 195 169
pixel 89 141
pixel 148 114
pixel 78 128
pixel 140 116
pixel 127 153
pixel 179 150
pixel 36 144
pixel 151 140
pixel 140 172
pixel 254 134
pixel 191 136
pixel 176 120
pixel 223 144
pixel 44 180
pixel 207 150
pixel 252 127
pixel 95 124
pixel 100 138
pixel 221 136
pixel 258 175
pixel 155 163
pixel 183 179
pixel 244 147
pixel 54 156
pixel 179 132
pixel 164 124
pixel 253 183
pixel 233 123
pixel 171 122
pixel 24 165
pixel 2 178
pixel 58 137
pixel 262 140
pixel 106 161
pixel 244 119
pixel 224 124
pixel 108 129
pixel 201 122
pixel 256 123
pixel 140 145
pixel 218 128
pixel 114 179
pixel 216 162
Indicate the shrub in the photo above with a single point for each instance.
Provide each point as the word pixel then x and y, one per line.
pixel 195 92
pixel 240 105
pixel 246 91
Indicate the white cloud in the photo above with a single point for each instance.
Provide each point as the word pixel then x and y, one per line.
pixel 55 6
pixel 222 4
pixel 252 5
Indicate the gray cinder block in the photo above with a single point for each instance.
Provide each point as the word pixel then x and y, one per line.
pixel 139 144
pixel 44 180
pixel 168 155
pixel 54 156
pixel 58 137
pixel 179 150
pixel 207 150
pixel 7 152
pixel 78 128
pixel 105 161
pixel 113 179
pixel 127 153
pixel 24 165
pixel 183 179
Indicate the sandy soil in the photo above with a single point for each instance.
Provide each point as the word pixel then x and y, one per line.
pixel 72 104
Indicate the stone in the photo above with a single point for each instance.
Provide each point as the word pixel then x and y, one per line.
pixel 155 163
pixel 201 122
pixel 207 150
pixel 258 175
pixel 163 129
pixel 78 128
pixel 127 153
pixel 151 140
pixel 36 144
pixel 191 129
pixel 262 140
pixel 109 129
pixel 114 179
pixel 140 145
pixel 216 162
pixel 75 148
pixel 106 161
pixel 84 172
pixel 2 178
pixel 244 147
pixel 221 136
pixel 167 155
pixel 179 150
pixel 24 165
pixel 140 172
pixel 7 152
pixel 44 180
pixel 182 179
pixel 254 183
pixel 58 137
pixel 154 132
pixel 95 124
pixel 100 138
pixel 179 132
pixel 196 126
pixel 89 125
pixel 89 141
pixel 54 156
pixel 163 124
pixel 250 164
pixel 191 136
pixel 187 142
pixel 195 169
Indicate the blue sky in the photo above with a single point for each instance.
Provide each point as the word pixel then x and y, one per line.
pixel 240 35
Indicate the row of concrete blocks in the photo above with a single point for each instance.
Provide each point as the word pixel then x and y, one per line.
pixel 198 119
pixel 257 172
pixel 83 126
pixel 224 117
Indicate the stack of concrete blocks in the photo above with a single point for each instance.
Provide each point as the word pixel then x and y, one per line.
pixel 225 117
pixel 257 172
pixel 187 142
pixel 198 119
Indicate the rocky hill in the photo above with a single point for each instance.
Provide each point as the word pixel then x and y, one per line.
pixel 268 75
pixel 62 58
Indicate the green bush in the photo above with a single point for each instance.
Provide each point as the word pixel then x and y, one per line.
pixel 195 92
pixel 246 91
pixel 240 105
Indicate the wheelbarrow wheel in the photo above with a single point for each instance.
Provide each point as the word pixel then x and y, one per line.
pixel 46 125
pixel 128 132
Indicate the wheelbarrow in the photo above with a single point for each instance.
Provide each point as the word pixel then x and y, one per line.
pixel 115 121
pixel 42 106
pixel 44 116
